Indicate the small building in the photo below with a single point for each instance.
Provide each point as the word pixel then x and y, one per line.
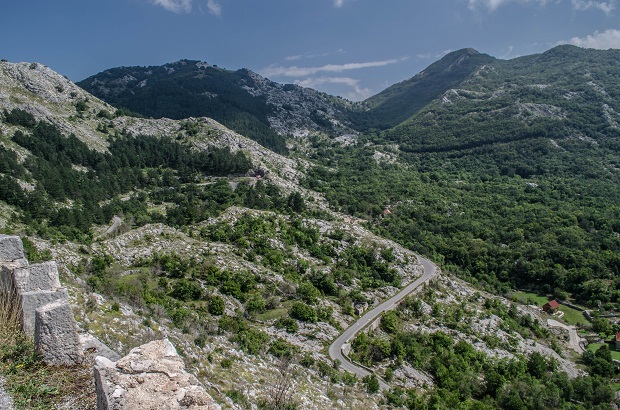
pixel 551 307
pixel 618 341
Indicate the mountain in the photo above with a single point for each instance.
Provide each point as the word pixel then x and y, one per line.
pixel 241 100
pixel 564 94
pixel 252 263
pixel 401 101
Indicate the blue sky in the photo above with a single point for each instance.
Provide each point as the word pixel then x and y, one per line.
pixel 352 48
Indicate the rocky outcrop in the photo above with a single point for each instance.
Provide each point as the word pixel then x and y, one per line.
pixel 150 377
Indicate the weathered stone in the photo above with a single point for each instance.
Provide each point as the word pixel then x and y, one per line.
pixel 6 273
pixel 55 335
pixel 31 301
pixel 93 347
pixel 11 248
pixel 40 276
pixel 150 377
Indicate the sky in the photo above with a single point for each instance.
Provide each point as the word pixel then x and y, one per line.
pixel 351 48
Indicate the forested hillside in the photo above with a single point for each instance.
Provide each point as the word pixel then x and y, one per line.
pixel 505 173
pixel 241 100
pixel 511 178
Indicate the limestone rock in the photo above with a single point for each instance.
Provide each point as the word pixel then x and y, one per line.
pixel 11 248
pixel 55 335
pixel 31 301
pixel 93 347
pixel 150 377
pixel 6 273
pixel 40 276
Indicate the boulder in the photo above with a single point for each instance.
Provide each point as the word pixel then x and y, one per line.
pixel 11 248
pixel 55 334
pixel 150 377
pixel 93 347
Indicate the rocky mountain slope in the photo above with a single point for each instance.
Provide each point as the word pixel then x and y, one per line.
pixel 233 253
pixel 241 100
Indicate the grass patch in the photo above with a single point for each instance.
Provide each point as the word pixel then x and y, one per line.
pixel 593 347
pixel 528 298
pixel 572 316
pixel 272 314
pixel 30 382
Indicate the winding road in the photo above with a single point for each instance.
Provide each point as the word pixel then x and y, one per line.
pixel 335 350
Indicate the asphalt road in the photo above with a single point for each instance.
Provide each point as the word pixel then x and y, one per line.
pixel 335 350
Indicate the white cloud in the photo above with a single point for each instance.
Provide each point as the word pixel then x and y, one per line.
pixel 214 7
pixel 603 41
pixel 493 5
pixel 605 7
pixel 176 6
pixel 357 92
pixel 294 71
pixel 338 3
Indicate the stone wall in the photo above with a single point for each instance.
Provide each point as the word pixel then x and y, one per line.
pixel 151 376
pixel 44 304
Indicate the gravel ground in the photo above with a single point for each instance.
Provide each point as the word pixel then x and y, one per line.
pixel 5 401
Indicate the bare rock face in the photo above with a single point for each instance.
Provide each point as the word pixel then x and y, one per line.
pixel 150 377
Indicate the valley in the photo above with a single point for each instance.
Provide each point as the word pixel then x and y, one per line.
pixel 264 229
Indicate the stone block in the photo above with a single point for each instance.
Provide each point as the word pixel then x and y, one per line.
pixel 39 276
pixel 151 376
pixel 31 301
pixel 11 248
pixel 7 270
pixel 55 335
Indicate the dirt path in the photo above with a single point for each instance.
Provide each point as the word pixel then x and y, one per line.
pixel 574 339
pixel 116 222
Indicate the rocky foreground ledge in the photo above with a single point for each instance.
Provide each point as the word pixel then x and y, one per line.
pixel 151 376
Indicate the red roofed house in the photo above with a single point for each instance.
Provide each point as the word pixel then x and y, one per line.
pixel 551 306
pixel 618 341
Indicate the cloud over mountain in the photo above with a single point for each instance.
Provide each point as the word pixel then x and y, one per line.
pixel 603 41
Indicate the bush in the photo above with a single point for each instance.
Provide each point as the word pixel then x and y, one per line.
pixel 186 290
pixel 303 312
pixel 217 306
pixel 282 349
pixel 251 340
pixel 255 305
pixel 287 323
pixel 372 384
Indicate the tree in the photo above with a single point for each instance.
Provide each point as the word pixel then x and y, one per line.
pixel 372 383
pixel 303 312
pixel 537 365
pixel 389 322
pixel 216 305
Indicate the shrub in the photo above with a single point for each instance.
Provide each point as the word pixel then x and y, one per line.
pixel 303 312
pixel 186 290
pixel 216 305
pixel 287 323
